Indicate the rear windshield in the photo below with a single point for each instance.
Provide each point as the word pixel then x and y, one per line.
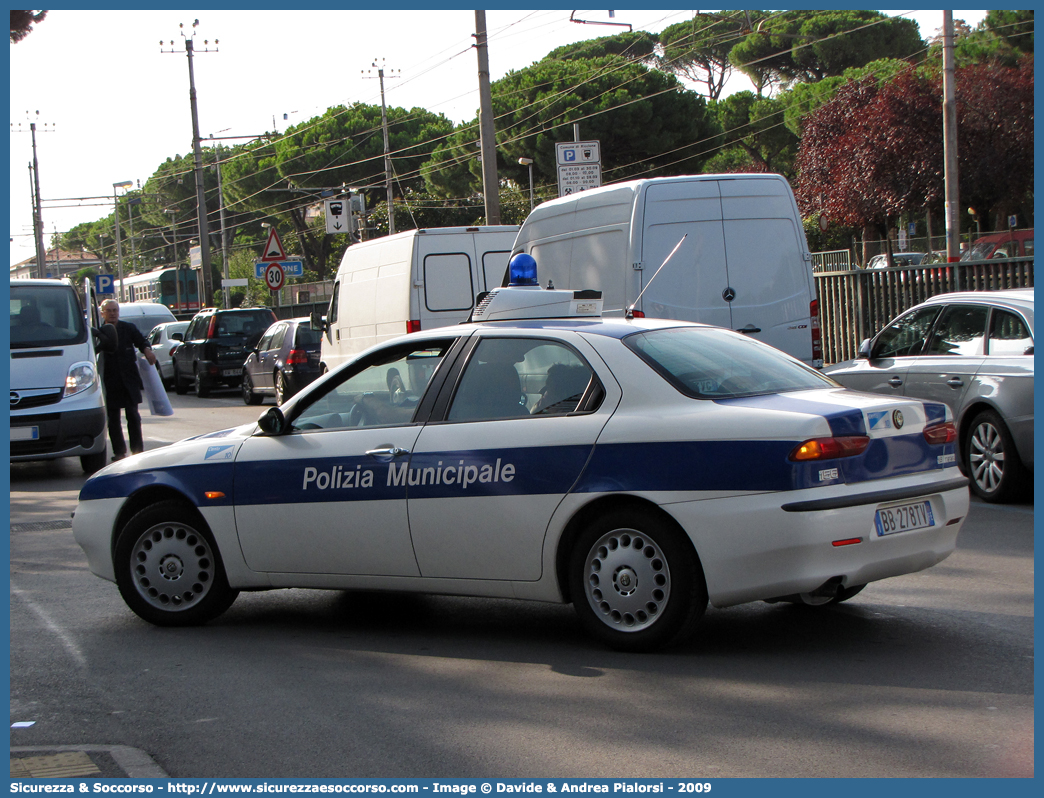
pixel 146 323
pixel 306 336
pixel 708 363
pixel 45 315
pixel 249 324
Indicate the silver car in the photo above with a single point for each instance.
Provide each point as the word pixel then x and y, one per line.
pixel 162 339
pixel 974 351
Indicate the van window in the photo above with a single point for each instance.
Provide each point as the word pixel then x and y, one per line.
pixel 331 313
pixel 45 315
pixel 447 282
pixel 494 268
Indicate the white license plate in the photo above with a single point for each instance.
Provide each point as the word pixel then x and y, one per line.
pixel 230 372
pixel 904 518
pixel 25 433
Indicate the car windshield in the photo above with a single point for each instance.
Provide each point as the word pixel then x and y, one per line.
pixel 45 315
pixel 707 363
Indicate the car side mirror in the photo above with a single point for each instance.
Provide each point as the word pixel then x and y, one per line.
pixel 317 322
pixel 177 336
pixel 272 421
pixel 864 349
pixel 1028 350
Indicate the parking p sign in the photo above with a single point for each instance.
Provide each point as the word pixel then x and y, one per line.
pixel 104 284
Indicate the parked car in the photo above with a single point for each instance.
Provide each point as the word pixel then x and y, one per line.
pixel 635 467
pixel 898 258
pixel 145 315
pixel 284 361
pixel 1000 245
pixel 973 351
pixel 216 344
pixel 162 339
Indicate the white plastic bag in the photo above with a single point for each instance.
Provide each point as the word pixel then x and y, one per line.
pixel 154 393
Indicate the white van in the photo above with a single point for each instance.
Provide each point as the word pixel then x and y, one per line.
pixel 57 404
pixel 410 281
pixel 145 315
pixel 744 263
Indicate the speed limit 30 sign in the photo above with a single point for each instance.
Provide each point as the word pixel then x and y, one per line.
pixel 274 276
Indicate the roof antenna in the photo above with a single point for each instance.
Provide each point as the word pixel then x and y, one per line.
pixel 629 313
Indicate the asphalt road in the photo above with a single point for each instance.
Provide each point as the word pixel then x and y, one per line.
pixel 928 675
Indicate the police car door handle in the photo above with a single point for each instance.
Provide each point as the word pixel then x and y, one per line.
pixel 388 451
pixel 895 382
pixel 955 382
pixel 750 329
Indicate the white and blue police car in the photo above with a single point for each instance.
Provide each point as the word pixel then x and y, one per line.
pixel 637 468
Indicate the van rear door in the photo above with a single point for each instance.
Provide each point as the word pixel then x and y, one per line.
pixel 767 272
pixel 691 286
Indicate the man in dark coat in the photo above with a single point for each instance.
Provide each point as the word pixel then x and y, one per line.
pixel 123 382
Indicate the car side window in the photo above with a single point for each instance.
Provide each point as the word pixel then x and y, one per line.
pixel 961 331
pixel 1009 334
pixel 383 390
pixel 276 340
pixel 520 377
pixel 265 341
pixel 154 337
pixel 906 335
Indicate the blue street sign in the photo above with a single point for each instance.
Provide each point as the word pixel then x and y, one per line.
pixel 104 284
pixel 292 268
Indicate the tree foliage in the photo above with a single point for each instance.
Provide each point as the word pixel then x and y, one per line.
pixel 636 45
pixel 807 46
pixel 873 152
pixel 755 137
pixel 698 49
pixel 1001 38
pixel 22 23
pixel 995 138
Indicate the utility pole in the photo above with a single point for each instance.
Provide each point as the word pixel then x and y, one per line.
pixel 201 201
pixel 387 150
pixel 953 230
pixel 487 133
pixel 119 248
pixel 38 227
pixel 226 291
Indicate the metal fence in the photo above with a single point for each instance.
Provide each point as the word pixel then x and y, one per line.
pixel 855 304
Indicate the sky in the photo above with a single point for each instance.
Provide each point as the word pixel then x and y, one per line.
pixel 111 103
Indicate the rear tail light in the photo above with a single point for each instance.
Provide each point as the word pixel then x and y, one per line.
pixel 413 325
pixel 817 332
pixel 941 433
pixel 212 327
pixel 830 448
pixel 297 357
pixel 637 314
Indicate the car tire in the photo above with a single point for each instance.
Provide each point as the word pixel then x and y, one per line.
pixel 202 388
pixel 282 389
pixel 92 462
pixel 993 464
pixel 636 582
pixel 180 385
pixel 249 397
pixel 168 569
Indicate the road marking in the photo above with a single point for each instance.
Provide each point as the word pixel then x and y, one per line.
pixel 66 639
